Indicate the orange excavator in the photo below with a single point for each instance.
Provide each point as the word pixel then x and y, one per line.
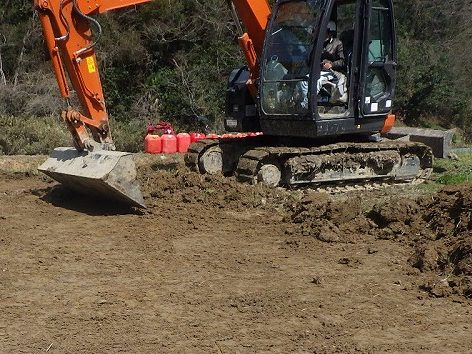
pixel 312 134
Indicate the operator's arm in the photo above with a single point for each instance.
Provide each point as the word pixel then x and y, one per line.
pixel 339 62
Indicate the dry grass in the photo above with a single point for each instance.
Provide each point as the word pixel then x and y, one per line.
pixel 32 135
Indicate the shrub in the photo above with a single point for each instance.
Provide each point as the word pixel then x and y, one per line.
pixel 31 135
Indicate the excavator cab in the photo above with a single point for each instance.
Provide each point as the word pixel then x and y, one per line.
pixel 293 99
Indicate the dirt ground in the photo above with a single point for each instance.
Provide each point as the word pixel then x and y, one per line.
pixel 213 266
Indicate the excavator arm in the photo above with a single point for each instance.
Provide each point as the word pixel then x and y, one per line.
pixel 67 31
pixel 91 166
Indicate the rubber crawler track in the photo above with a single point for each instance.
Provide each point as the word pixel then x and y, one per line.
pixel 251 161
pixel 195 151
pixel 252 158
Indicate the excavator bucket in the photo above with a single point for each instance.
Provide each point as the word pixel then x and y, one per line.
pixel 108 174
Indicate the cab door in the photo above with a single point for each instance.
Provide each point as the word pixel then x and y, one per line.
pixel 379 60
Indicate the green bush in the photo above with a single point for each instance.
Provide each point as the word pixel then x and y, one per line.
pixel 40 135
pixel 433 88
pixel 129 136
pixel 31 135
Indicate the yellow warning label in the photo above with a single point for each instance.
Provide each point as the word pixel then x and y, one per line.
pixel 90 64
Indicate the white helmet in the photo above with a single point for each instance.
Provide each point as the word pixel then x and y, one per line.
pixel 332 26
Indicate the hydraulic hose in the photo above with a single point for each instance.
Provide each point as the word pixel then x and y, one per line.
pixel 92 20
pixel 235 17
pixel 64 22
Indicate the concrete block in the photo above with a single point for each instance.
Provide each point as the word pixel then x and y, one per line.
pixel 438 140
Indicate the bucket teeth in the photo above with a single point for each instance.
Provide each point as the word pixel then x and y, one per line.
pixel 108 174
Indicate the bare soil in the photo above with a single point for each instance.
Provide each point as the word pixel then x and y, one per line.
pixel 214 266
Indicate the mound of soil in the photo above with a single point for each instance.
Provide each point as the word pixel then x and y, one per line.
pixel 399 219
pixel 448 216
pixel 176 183
pixel 328 220
pixel 439 228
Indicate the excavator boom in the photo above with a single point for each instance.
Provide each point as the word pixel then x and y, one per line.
pixel 254 14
